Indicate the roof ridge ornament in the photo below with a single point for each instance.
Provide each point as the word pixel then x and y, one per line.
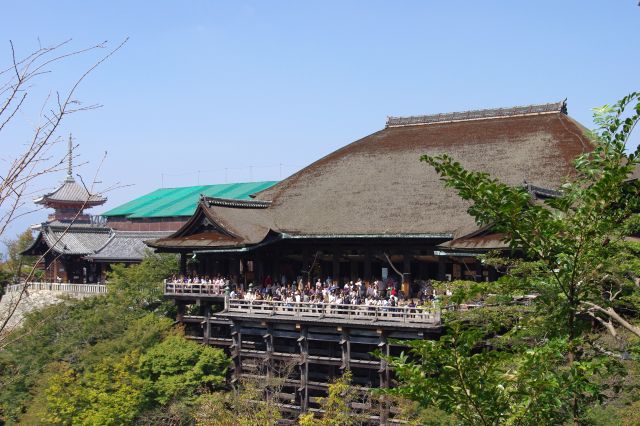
pixel 227 202
pixel 70 160
pixel 478 114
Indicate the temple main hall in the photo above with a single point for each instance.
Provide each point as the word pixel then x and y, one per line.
pixel 372 210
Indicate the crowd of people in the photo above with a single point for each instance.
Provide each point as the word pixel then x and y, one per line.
pixel 376 293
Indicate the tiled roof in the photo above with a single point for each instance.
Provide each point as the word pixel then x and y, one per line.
pixel 125 246
pixel 94 243
pixel 172 202
pixel 71 191
pixel 76 240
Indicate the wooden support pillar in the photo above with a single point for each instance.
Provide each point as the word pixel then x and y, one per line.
pixel 406 274
pixel 423 273
pixel 367 266
pixel 268 341
pixel 236 350
pixel 383 371
pixel 258 264
pixel 479 276
pixel 493 274
pixel 234 270
pixel 208 261
pixel 244 274
pixel 275 268
pixel 353 270
pixel 206 329
pixel 181 306
pixel 335 266
pixel 345 345
pixel 441 268
pixel 183 264
pixel 306 266
pixel 303 363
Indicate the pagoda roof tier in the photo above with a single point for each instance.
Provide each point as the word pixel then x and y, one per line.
pixel 72 194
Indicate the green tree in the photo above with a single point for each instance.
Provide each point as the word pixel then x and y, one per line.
pixel 178 368
pixel 141 285
pixel 337 407
pixel 81 333
pixel 17 265
pixel 579 263
pixel 110 393
pixel 244 406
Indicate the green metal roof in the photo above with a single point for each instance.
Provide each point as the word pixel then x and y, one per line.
pixel 169 202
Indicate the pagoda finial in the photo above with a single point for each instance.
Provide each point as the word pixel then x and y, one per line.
pixel 70 159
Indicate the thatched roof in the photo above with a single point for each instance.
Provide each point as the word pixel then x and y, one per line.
pixel 378 186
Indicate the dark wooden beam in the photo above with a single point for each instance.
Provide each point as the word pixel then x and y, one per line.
pixel 303 363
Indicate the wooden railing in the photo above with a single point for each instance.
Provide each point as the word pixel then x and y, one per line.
pixel 61 287
pixel 301 310
pixel 173 289
pixel 401 314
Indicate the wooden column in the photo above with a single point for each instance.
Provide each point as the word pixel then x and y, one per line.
pixel 493 274
pixel 268 341
pixel 406 271
pixel 303 363
pixel 306 273
pixel 384 375
pixel 353 272
pixel 258 271
pixel 183 264
pixel 244 273
pixel 234 270
pixel 208 265
pixel 181 309
pixel 367 266
pixel 207 323
pixel 479 276
pixel 345 345
pixel 236 350
pixel 422 270
pixel 441 268
pixel 335 266
pixel 275 268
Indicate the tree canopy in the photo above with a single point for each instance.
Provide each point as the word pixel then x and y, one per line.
pixel 577 254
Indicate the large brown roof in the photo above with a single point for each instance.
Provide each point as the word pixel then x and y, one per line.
pixel 377 185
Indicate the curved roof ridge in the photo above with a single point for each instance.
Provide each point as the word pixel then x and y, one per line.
pixel 478 114
pixel 229 202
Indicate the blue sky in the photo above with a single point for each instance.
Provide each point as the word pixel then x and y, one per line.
pixel 208 91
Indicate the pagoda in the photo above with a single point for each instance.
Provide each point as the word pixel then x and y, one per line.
pixel 71 199
pixel 69 233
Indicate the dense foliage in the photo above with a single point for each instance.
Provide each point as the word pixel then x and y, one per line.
pixel 555 360
pixel 16 266
pixel 106 360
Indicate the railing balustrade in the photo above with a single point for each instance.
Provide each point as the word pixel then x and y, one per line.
pixel 361 312
pixel 61 287
pixel 171 288
pixel 310 310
